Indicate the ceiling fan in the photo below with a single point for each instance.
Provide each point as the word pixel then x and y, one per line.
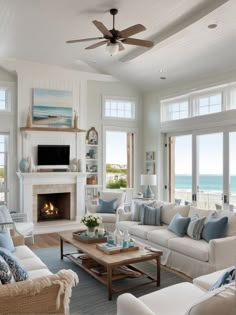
pixel 115 39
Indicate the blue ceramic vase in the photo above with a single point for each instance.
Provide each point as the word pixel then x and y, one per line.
pixel 24 166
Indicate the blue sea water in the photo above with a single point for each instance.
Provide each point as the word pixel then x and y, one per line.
pixel 45 112
pixel 206 182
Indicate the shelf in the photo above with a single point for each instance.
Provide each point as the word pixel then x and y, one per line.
pixel 91 160
pixel 91 145
pixel 91 173
pixel 52 129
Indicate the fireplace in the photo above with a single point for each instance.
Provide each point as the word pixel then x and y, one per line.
pixel 54 206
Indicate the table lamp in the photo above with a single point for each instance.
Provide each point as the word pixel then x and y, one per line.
pixel 148 180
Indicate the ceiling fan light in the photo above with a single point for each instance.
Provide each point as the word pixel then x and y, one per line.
pixel 112 48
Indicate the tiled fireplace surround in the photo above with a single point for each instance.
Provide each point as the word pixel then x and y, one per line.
pixel 32 184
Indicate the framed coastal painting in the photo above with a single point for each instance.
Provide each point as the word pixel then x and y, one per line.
pixel 52 108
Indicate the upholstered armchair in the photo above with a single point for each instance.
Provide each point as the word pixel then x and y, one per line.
pixel 110 217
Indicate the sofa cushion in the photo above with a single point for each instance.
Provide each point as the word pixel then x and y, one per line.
pixel 23 252
pixel 19 273
pixel 217 302
pixel 161 236
pixel 169 210
pixel 126 225
pixel 200 212
pixel 108 217
pixel 231 229
pixel 206 282
pixel 173 300
pixel 189 247
pixel 6 240
pixel 214 228
pixel 195 227
pixel 107 206
pixel 39 273
pixel 179 224
pixel 6 275
pixel 137 208
pixel 150 215
pixel 142 230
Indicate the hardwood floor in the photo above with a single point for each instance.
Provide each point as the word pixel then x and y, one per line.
pixel 43 241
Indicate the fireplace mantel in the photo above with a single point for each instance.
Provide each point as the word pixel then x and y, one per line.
pixel 29 180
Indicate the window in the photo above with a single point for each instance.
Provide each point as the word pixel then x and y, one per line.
pixel 209 104
pixel 118 108
pixel 198 103
pixel 119 159
pixel 4 104
pixel 3 168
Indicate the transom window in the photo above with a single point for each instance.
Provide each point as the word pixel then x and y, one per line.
pixel 118 108
pixel 198 103
pixel 3 98
pixel 210 104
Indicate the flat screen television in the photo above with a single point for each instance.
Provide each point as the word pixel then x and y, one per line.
pixel 53 155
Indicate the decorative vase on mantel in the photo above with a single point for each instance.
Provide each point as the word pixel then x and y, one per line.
pixel 90 231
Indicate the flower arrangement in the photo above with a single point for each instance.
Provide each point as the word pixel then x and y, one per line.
pixel 91 221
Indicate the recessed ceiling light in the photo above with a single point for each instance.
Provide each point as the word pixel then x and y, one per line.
pixel 162 78
pixel 213 25
pixel 161 70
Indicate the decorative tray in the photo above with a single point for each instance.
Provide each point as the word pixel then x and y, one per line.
pixel 83 237
pixel 113 249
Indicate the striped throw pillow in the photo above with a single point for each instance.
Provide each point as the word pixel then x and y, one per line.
pixel 195 227
pixel 150 215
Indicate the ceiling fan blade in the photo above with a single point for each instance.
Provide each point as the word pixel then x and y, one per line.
pixel 137 42
pixel 82 40
pixel 102 28
pixel 132 30
pixel 121 47
pixel 97 44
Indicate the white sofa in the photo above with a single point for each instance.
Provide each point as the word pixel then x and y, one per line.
pixel 42 293
pixel 184 254
pixel 109 219
pixel 183 299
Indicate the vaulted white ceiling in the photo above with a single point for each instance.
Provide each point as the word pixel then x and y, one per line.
pixel 185 48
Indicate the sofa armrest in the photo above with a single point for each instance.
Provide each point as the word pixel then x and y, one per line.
pixel 127 304
pixel 123 215
pixel 45 295
pixel 222 252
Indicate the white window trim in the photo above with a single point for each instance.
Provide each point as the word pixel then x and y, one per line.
pixel 8 86
pixel 119 98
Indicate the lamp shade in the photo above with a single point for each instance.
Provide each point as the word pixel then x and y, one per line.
pixel 148 179
pixel 112 48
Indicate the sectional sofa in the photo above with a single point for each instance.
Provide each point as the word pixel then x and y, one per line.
pixel 42 293
pixel 191 257
pixel 183 299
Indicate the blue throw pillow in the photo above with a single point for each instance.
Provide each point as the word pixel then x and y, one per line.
pixel 179 224
pixel 215 228
pixel 107 206
pixel 19 273
pixel 227 277
pixel 137 211
pixel 6 240
pixel 195 227
pixel 150 215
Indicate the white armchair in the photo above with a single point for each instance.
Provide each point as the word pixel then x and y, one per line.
pixel 110 219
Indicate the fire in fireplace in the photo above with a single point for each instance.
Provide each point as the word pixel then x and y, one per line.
pixel 53 206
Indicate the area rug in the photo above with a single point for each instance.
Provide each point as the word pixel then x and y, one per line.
pixel 90 296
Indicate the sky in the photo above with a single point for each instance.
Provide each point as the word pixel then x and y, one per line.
pixel 116 147
pixel 210 154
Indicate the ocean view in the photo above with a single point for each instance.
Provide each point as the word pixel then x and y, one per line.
pixel 206 182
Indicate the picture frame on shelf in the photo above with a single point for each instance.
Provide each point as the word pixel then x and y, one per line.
pixel 150 168
pixel 150 155
pixel 92 136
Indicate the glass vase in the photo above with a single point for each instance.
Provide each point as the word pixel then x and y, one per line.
pixel 91 231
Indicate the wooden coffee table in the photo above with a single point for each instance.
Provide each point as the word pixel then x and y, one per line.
pixel 110 262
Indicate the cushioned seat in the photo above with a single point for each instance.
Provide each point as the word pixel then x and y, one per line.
pixel 143 230
pixel 182 297
pixel 33 274
pixel 187 246
pixel 161 236
pixel 127 225
pixel 108 217
pixel 207 281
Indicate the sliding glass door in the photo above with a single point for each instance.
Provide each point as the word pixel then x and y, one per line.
pixel 210 171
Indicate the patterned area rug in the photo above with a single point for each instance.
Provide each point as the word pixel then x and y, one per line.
pixel 90 296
